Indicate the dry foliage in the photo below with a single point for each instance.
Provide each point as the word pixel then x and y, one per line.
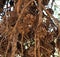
pixel 28 26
